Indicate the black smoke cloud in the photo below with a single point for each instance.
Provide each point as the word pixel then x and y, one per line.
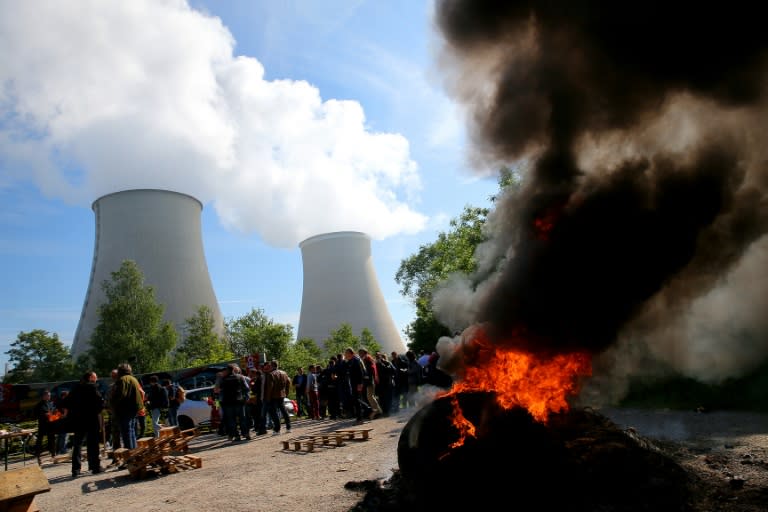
pixel 642 125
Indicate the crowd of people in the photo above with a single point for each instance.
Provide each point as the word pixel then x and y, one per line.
pixel 354 384
pixel 78 417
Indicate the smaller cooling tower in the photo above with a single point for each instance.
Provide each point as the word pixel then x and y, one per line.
pixel 161 231
pixel 340 286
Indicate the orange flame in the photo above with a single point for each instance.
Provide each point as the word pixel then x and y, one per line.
pixel 542 226
pixel 462 424
pixel 539 383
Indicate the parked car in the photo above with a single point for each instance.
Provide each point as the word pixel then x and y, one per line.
pixel 199 377
pixel 200 409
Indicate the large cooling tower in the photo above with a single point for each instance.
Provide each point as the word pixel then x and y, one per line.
pixel 161 231
pixel 340 286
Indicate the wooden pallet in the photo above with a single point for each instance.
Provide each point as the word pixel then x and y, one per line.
pixel 352 433
pixel 173 463
pixel 166 453
pixel 309 442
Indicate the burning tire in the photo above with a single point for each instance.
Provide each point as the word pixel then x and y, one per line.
pixel 578 461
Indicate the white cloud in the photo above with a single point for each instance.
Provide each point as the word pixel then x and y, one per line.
pixel 114 95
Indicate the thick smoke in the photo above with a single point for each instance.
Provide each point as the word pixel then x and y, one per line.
pixel 640 226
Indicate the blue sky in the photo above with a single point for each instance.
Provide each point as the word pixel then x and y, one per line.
pixel 286 119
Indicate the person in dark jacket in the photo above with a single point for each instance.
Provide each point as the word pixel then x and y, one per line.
pixel 385 387
pixel 356 374
pixel 43 411
pixel 400 363
pixel 157 401
pixel 300 385
pixel 84 405
pixel 60 425
pixel 234 391
pixel 329 390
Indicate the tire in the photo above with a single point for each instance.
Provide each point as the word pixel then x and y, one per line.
pixel 185 423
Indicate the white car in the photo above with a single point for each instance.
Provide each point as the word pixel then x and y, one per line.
pixel 197 410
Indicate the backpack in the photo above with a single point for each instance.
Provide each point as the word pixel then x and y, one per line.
pixel 180 395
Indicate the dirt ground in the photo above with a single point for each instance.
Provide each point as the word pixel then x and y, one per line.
pixel 726 452
pixel 255 475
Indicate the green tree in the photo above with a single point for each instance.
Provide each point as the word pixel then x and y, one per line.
pixel 311 347
pixel 255 333
pixel 38 356
pixel 419 274
pixel 302 352
pixel 306 351
pixel 368 341
pixel 452 252
pixel 340 339
pixel 131 327
pixel 201 344
pixel 298 354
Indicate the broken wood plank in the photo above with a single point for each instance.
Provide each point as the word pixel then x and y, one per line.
pixel 18 488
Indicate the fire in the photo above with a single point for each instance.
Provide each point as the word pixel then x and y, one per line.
pixel 543 225
pixel 539 383
pixel 462 424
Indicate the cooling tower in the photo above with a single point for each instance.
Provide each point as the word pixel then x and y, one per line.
pixel 161 231
pixel 340 286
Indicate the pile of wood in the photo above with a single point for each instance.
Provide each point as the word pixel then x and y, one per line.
pixel 167 453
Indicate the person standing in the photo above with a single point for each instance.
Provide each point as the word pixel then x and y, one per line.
pixel 63 430
pixel 414 378
pixel 256 402
pixel 300 385
pixel 127 399
pixel 401 381
pixel 141 418
pixel 370 381
pixel 157 400
pixel 241 418
pixel 423 359
pixel 113 426
pixel 234 391
pixel 43 412
pixel 313 391
pixel 84 406
pixel 276 389
pixel 173 402
pixel 355 374
pixel 329 389
pixel 385 388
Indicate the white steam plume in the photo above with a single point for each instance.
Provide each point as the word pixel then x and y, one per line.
pixel 102 96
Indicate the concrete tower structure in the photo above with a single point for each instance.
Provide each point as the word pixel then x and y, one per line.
pixel 340 286
pixel 161 231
